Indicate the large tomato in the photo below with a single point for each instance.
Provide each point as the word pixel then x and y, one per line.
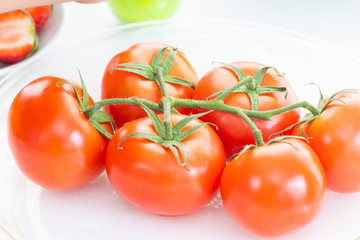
pixel 275 189
pixel 121 84
pixel 233 131
pixel 147 175
pixel 52 141
pixel 334 136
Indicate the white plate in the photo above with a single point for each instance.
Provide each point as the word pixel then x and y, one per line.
pixel 45 36
pixel 95 211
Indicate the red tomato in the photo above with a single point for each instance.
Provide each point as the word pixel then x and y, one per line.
pixel 52 142
pixel 121 84
pixel 275 189
pixel 232 130
pixel 147 175
pixel 334 136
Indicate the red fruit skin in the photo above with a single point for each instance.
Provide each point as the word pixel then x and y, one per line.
pixel 120 84
pixel 18 38
pixel 40 15
pixel 232 130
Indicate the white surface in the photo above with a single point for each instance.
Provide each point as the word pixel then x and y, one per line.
pixel 333 21
pixel 45 37
pixel 95 211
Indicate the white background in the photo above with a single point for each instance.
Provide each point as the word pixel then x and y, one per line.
pixel 334 21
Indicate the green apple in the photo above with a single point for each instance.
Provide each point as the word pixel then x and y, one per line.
pixel 143 10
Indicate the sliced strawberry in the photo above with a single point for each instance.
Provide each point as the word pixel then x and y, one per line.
pixel 40 15
pixel 18 38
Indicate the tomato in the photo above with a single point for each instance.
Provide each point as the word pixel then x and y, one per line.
pixel 51 140
pixel 334 136
pixel 143 10
pixel 121 84
pixel 233 131
pixel 275 189
pixel 148 176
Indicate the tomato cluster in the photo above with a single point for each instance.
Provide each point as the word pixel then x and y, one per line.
pixel 175 162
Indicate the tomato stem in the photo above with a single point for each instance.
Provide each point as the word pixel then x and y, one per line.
pixel 130 101
pixel 230 90
pixel 167 120
pixel 159 78
pixel 304 104
pixel 93 114
pixel 218 105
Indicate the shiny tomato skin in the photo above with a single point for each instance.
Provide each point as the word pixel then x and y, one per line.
pixel 51 140
pixel 232 130
pixel 274 190
pixel 148 176
pixel 334 136
pixel 120 84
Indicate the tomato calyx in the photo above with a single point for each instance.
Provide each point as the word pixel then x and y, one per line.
pixel 311 116
pixel 252 87
pixel 272 141
pixel 93 113
pixel 245 149
pixel 167 135
pixel 157 69
pixel 283 139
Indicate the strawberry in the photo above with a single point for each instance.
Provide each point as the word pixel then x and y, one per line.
pixel 18 38
pixel 40 15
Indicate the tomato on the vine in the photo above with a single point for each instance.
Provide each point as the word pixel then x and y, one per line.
pixel 52 141
pixel 274 189
pixel 123 84
pixel 233 131
pixel 334 136
pixel 147 174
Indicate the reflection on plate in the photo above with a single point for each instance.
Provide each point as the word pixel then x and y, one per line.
pixel 45 37
pixel 95 211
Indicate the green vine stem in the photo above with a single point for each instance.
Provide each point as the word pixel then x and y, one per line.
pixel 304 104
pixel 158 72
pixel 220 106
pixel 230 90
pixel 167 118
pixel 159 78
pixel 130 101
pixel 216 104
